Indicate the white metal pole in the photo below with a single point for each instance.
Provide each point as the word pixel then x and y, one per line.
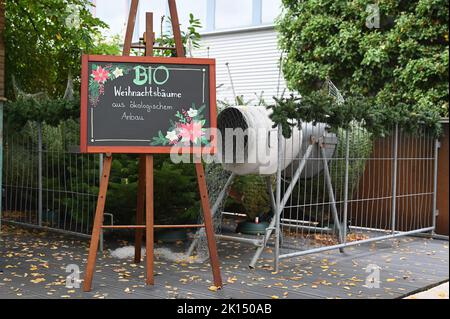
pixel 435 178
pixel 394 181
pixel 39 174
pixel 279 209
pixel 347 154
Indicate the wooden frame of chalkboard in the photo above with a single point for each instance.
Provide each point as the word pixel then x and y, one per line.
pixel 100 112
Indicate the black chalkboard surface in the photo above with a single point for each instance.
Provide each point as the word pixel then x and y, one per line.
pixel 146 104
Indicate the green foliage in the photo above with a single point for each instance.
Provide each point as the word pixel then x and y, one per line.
pixel 250 196
pixel 176 192
pixel 22 110
pixel 66 175
pixel 42 52
pixel 398 71
pixel 319 107
pixel 42 48
pixel 166 40
pixel 105 46
pixel 313 190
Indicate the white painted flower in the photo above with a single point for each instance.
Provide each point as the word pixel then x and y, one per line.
pixel 185 140
pixel 171 136
pixel 118 72
pixel 192 112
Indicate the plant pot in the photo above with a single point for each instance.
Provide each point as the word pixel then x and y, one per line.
pixel 251 228
pixel 171 235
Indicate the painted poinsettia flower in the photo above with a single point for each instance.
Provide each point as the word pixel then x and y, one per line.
pixel 192 113
pixel 100 75
pixel 172 136
pixel 191 132
pixel 118 72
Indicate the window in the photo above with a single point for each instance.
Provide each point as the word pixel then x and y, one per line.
pixel 197 8
pixel 213 14
pixel 114 15
pixel 270 10
pixel 233 13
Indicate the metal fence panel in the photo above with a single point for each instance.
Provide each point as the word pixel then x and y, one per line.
pixel 354 188
pixel 46 181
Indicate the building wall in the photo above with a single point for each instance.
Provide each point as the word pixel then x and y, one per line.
pixel 2 49
pixel 246 38
pixel 253 58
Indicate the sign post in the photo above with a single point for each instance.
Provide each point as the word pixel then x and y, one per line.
pixel 146 105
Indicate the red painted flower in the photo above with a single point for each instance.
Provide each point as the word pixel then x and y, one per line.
pixel 100 75
pixel 191 132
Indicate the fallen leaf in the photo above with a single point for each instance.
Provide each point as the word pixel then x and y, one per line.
pixel 37 280
pixel 390 279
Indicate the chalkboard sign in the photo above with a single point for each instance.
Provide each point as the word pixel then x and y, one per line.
pixel 146 104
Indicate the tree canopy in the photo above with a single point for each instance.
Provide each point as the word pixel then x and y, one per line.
pixel 402 64
pixel 44 41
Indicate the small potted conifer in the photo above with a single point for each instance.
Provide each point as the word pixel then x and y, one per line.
pixel 251 197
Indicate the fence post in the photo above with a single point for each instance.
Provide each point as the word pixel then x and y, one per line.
pixel 435 179
pixel 394 181
pixel 279 210
pixel 347 154
pixel 40 174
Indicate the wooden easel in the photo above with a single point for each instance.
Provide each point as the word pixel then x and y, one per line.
pixel 145 183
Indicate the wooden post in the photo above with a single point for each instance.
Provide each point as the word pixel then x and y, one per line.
pixel 149 210
pixel 209 229
pixel 140 210
pixel 148 36
pixel 176 29
pixel 149 217
pixel 98 221
pixel 130 27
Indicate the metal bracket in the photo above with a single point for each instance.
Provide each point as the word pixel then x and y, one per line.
pixel 266 238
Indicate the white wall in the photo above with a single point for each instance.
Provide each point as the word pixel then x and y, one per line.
pixel 253 57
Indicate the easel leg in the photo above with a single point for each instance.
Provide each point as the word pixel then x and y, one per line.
pixel 214 257
pixel 98 222
pixel 149 217
pixel 140 210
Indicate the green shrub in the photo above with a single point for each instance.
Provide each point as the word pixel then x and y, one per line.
pixel 314 190
pixel 249 196
pixel 401 68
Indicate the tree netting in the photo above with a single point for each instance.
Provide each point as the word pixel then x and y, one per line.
pixel 216 179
